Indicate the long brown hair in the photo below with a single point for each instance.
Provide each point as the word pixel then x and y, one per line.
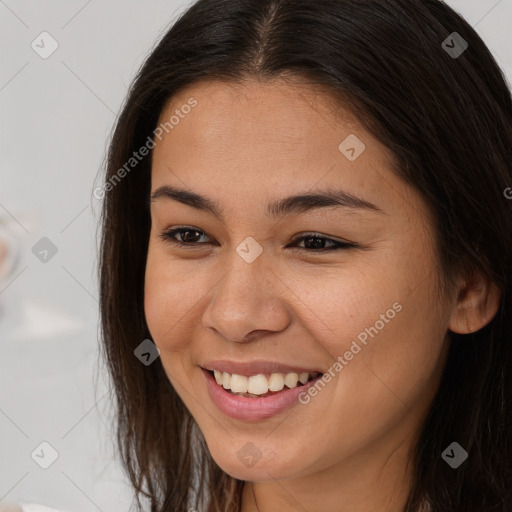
pixel 448 120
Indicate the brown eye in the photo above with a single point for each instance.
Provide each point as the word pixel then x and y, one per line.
pixel 189 236
pixel 314 242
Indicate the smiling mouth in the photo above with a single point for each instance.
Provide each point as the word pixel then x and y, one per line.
pixel 261 385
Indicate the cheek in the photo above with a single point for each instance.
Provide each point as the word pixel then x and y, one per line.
pixel 155 298
pixel 167 309
pixel 386 321
pixel 172 296
pixel 159 295
pixel 339 303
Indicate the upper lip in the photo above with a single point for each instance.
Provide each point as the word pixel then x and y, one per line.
pixel 248 368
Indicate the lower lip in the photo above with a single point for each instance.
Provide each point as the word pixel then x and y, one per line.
pixel 253 409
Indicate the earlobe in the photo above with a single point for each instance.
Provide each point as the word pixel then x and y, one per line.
pixel 477 304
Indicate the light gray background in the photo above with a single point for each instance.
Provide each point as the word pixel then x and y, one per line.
pixel 56 115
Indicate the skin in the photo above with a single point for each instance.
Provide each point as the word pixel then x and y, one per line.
pixel 348 449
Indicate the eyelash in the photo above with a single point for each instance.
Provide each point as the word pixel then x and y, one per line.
pixel 167 236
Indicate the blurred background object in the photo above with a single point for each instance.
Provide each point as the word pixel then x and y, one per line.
pixel 9 249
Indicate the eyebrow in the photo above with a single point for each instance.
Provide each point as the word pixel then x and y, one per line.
pixel 293 204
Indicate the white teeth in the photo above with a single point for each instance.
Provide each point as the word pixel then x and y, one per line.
pixel 291 380
pixel 303 377
pixel 238 383
pixel 226 380
pixel 260 384
pixel 218 377
pixel 276 382
pixel 257 384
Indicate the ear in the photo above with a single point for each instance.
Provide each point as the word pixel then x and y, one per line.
pixel 477 304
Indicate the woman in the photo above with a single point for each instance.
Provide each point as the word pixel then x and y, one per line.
pixel 306 259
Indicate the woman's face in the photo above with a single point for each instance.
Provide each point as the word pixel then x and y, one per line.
pixel 255 286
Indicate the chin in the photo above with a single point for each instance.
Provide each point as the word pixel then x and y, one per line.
pixel 247 463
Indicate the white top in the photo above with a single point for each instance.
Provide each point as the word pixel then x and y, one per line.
pixel 27 507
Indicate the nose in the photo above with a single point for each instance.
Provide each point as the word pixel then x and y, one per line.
pixel 250 301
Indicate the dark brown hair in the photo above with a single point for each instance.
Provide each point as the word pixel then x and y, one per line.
pixel 448 121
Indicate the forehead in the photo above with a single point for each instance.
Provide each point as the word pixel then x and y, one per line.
pixel 274 112
pixel 269 138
